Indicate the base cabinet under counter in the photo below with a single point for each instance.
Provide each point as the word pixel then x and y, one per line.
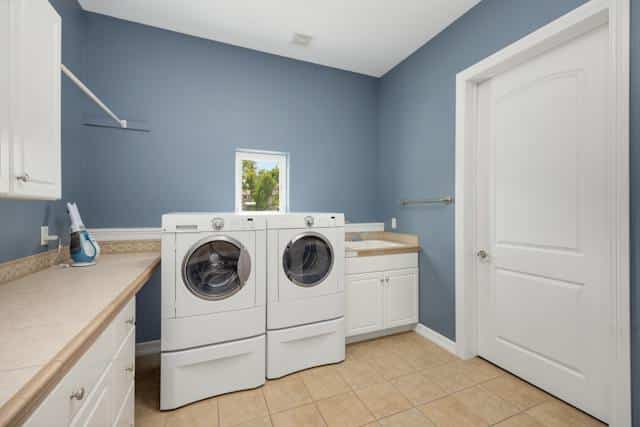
pixel 381 293
pixel 99 389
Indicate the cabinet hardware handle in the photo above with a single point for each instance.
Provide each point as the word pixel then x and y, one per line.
pixel 24 177
pixel 129 369
pixel 386 279
pixel 483 255
pixel 78 394
pixel 129 321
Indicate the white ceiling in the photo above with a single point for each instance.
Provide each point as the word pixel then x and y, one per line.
pixel 364 36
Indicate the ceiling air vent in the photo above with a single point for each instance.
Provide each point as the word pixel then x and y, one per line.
pixel 301 39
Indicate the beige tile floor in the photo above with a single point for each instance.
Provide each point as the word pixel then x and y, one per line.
pixel 402 380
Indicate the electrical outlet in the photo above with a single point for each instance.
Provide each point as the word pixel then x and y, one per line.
pixel 394 223
pixel 45 238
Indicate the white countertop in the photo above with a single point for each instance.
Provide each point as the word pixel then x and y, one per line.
pixel 41 314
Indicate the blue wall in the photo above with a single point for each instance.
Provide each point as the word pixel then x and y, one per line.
pixel 416 143
pixel 20 234
pixel 202 100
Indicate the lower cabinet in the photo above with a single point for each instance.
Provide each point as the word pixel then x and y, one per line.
pixel 365 305
pixel 401 298
pixel 99 390
pixel 380 300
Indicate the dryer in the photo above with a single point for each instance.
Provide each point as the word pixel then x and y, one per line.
pixel 305 286
pixel 213 305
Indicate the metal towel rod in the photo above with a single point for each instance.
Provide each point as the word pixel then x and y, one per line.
pixel 92 96
pixel 443 200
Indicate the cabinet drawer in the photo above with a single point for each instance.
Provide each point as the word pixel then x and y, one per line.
pixel 123 371
pixel 59 408
pixel 368 264
pixel 98 409
pixel 126 414
pixel 124 323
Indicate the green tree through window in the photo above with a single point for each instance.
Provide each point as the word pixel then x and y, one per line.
pixel 260 186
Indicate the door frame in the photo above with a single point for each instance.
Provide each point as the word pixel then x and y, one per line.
pixel 595 13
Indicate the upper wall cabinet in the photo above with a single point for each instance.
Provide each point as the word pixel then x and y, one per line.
pixel 30 151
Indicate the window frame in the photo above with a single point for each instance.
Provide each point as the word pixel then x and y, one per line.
pixel 282 159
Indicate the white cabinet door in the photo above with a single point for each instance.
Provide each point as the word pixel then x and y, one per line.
pixel 35 31
pixel 401 299
pixel 5 54
pixel 364 310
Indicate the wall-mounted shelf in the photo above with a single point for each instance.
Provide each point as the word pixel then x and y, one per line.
pixel 105 122
pixel 119 123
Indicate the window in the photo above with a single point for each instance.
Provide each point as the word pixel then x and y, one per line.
pixel 261 181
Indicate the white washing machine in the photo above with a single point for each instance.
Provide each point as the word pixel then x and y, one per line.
pixel 213 305
pixel 305 287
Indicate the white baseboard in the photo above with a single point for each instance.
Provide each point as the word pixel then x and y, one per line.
pixel 378 334
pixel 147 348
pixel 113 234
pixel 436 338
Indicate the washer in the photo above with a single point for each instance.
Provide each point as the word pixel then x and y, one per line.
pixel 213 305
pixel 305 286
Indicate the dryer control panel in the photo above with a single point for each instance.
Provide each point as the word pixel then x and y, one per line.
pixel 190 223
pixel 304 220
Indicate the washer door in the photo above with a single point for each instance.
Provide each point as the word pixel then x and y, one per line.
pixel 308 259
pixel 216 268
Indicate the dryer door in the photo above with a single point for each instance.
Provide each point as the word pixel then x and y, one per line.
pixel 308 259
pixel 217 268
pixel 307 263
pixel 215 273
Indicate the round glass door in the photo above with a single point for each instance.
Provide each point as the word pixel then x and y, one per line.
pixel 216 269
pixel 308 259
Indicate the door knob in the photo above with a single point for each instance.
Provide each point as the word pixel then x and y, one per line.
pixel 482 254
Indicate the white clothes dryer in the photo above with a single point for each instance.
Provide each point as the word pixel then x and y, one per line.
pixel 213 305
pixel 305 286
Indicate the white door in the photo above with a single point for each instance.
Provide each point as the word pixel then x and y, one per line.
pixel 543 219
pixel 401 306
pixel 364 297
pixel 35 108
pixel 5 54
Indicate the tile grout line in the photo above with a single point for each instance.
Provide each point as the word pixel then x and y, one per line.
pixel 352 390
pixel 355 393
pixel 315 405
pixel 266 404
